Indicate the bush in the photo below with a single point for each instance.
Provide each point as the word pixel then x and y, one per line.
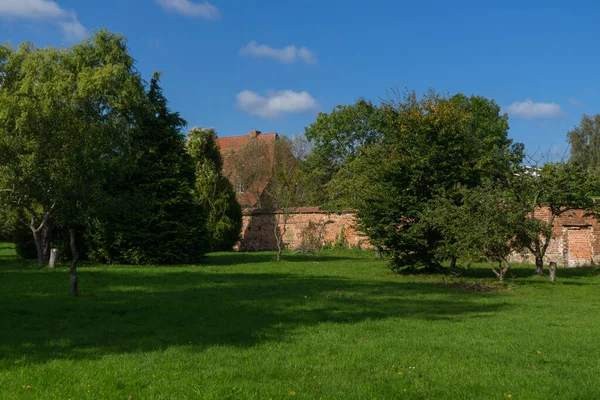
pixel 311 238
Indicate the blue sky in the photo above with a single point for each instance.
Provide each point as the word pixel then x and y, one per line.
pixel 273 65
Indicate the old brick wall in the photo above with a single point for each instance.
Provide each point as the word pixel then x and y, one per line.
pixel 575 242
pixel 258 228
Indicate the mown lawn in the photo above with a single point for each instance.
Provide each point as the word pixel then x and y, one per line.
pixel 337 325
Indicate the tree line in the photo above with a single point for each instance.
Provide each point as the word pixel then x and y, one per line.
pixel 94 162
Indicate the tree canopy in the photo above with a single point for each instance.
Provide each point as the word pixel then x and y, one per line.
pixel 213 190
pixel 428 147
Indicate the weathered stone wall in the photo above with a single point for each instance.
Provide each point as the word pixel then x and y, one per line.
pixel 258 228
pixel 575 242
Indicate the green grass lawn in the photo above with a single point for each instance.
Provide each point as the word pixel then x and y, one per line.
pixel 336 325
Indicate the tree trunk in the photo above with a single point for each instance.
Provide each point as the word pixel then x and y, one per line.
pixel 53 258
pixel 377 252
pixel 453 261
pixel 552 271
pixel 46 238
pixel 501 272
pixel 539 265
pixel 75 254
pixel 39 246
pixel 279 254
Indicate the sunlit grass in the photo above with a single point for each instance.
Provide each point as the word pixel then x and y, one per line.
pixel 336 325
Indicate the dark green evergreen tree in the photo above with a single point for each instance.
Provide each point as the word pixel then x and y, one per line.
pixel 156 219
pixel 214 192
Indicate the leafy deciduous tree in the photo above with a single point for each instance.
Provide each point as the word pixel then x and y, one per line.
pixel 430 147
pixel 336 138
pixel 483 226
pixel 559 187
pixel 64 118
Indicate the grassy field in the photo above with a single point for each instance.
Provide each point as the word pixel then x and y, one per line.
pixel 337 325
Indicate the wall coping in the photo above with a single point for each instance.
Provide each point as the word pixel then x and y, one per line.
pixel 293 210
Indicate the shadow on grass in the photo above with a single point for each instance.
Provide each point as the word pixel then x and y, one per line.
pixel 235 258
pixel 522 271
pixel 125 310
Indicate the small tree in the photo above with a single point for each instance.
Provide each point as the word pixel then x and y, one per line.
pixel 284 189
pixel 213 191
pixel 482 227
pixel 267 176
pixel 558 187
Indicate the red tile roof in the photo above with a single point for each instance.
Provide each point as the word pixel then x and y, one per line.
pixel 236 142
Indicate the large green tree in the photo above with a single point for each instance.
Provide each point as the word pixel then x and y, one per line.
pixel 431 146
pixel 336 138
pixel 65 116
pixel 158 220
pixel 213 191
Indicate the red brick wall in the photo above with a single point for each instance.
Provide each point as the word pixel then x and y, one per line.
pixel 575 242
pixel 258 233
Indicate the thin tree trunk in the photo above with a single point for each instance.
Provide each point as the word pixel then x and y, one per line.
pixel 280 233
pixel 539 265
pixel 53 258
pixel 46 238
pixel 378 252
pixel 453 261
pixel 41 234
pixel 552 271
pixel 75 254
pixel 501 272
pixel 38 246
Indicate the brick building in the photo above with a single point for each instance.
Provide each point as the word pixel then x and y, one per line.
pixel 246 162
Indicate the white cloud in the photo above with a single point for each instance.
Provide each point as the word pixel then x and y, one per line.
pixel 287 55
pixel 44 10
pixel 530 110
pixel 275 103
pixel 73 29
pixel 575 102
pixel 204 10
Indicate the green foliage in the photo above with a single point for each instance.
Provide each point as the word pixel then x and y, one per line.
pixel 214 192
pixel 431 147
pixel 560 187
pixel 20 234
pixel 65 115
pixel 336 139
pixel 481 227
pixel 158 219
pixel 585 144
